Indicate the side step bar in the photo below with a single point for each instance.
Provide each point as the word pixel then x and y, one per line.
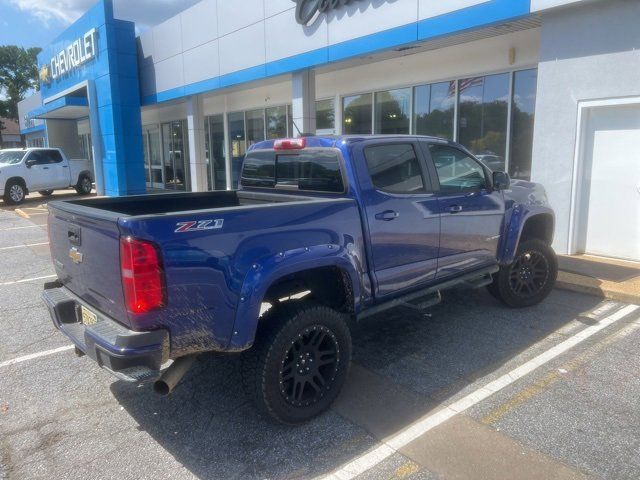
pixel 430 296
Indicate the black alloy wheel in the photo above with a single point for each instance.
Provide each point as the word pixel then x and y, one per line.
pixel 299 361
pixel 310 365
pixel 529 274
pixel 529 279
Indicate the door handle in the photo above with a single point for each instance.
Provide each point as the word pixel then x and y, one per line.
pixel 387 215
pixel 45 168
pixel 65 166
pixel 455 208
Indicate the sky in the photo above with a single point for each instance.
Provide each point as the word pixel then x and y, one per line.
pixel 35 23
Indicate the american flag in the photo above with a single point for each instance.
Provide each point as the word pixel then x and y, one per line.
pixel 465 84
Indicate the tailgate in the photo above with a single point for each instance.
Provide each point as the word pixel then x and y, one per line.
pixel 86 255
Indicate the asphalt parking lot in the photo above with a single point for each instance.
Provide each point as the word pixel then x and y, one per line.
pixel 474 390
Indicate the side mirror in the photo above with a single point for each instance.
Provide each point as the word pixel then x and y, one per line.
pixel 501 181
pixel 30 162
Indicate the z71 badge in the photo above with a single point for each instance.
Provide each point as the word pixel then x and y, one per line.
pixel 198 225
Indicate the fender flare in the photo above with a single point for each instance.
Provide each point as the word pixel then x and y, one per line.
pixel 514 225
pixel 265 272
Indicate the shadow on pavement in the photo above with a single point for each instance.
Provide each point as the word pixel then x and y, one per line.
pixel 404 366
pixel 35 199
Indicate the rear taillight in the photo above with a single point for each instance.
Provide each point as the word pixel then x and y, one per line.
pixel 142 275
pixel 290 144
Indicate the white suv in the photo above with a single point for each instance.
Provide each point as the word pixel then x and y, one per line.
pixel 43 170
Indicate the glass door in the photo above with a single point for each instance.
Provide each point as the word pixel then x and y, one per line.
pixel 175 156
pixel 216 152
pixel 154 172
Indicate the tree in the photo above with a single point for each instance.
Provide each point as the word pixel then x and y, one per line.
pixel 18 75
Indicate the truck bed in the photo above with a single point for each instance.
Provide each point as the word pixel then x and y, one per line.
pixel 172 203
pixel 205 266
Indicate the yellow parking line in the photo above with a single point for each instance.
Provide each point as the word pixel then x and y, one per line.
pixel 22 213
pixel 552 377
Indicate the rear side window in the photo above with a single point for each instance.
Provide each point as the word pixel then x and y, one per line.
pixel 54 156
pixel 395 168
pixel 317 171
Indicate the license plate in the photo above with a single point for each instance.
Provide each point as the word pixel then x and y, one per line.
pixel 88 317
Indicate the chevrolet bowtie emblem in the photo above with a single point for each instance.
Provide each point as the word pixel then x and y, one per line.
pixel 75 255
pixel 45 74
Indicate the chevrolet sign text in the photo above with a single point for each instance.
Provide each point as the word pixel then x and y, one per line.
pixel 78 53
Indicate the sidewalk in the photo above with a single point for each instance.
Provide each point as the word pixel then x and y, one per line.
pixel 604 277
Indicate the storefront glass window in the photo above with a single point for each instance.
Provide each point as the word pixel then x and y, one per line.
pixel 218 174
pixel 237 144
pixel 522 116
pixel 483 112
pixel 276 122
pixel 291 130
pixel 255 126
pixel 392 111
pixel 326 117
pixel 434 109
pixel 357 114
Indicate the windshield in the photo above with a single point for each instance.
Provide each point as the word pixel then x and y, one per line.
pixel 10 157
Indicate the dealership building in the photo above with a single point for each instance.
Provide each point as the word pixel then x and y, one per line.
pixel 548 90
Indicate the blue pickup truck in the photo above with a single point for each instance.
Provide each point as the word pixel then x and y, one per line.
pixel 322 231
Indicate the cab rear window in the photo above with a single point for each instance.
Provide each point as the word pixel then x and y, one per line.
pixel 317 171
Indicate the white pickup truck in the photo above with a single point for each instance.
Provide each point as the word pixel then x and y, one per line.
pixel 43 170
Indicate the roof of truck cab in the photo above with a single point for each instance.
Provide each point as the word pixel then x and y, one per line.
pixel 332 141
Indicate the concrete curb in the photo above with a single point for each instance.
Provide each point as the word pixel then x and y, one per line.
pixel 597 288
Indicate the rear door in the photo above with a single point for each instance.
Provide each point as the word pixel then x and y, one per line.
pixel 401 212
pixel 472 213
pixel 58 170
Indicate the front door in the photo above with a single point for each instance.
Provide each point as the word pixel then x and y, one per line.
pixel 471 212
pixel 39 174
pixel 402 215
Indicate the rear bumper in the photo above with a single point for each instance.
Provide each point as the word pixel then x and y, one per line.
pixel 130 356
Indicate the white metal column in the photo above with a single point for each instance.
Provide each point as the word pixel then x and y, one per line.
pixel 196 137
pixel 303 105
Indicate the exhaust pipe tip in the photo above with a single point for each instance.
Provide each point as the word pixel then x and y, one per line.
pixel 161 388
pixel 172 375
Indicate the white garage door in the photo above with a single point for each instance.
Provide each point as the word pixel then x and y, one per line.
pixel 613 139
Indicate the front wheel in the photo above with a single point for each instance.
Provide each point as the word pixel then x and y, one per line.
pixel 529 278
pixel 84 185
pixel 14 193
pixel 299 362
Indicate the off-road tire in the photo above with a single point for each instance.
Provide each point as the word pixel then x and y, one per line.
pixel 84 185
pixel 45 193
pixel 10 189
pixel 524 283
pixel 283 329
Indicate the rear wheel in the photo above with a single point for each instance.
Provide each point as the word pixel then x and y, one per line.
pixel 299 362
pixel 529 279
pixel 84 185
pixel 46 193
pixel 14 193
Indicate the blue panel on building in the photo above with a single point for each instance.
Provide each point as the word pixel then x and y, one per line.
pixel 98 53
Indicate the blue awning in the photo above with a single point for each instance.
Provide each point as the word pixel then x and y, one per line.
pixel 65 108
